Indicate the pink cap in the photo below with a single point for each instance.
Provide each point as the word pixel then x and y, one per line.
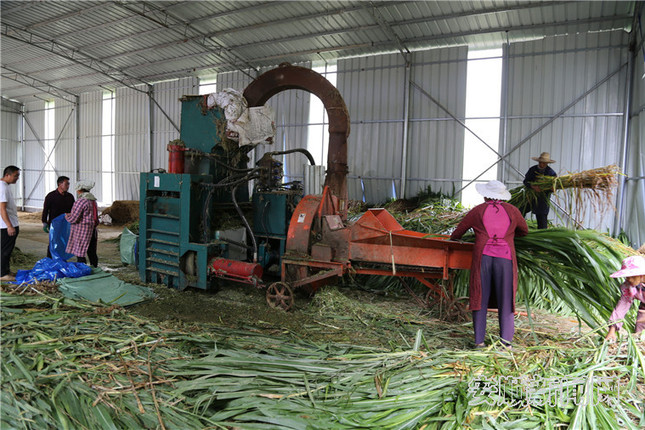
pixel 632 266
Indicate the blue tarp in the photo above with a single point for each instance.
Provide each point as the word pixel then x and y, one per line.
pixel 58 237
pixel 49 269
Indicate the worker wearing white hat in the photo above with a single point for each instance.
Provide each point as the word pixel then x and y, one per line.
pixel 540 207
pixel 493 272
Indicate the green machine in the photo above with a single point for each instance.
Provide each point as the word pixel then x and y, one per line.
pixel 189 214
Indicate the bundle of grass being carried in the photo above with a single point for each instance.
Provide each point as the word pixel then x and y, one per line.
pixel 596 185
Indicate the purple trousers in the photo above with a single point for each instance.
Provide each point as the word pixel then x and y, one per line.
pixel 497 274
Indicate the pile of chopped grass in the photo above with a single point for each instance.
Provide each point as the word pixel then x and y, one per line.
pixel 65 365
pixel 21 260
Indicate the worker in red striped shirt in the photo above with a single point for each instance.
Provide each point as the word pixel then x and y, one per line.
pixel 84 220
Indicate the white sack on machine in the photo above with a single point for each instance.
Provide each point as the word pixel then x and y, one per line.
pixel 249 126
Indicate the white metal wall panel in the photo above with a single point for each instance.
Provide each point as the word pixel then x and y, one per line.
pixel 633 219
pixel 89 148
pixel 65 150
pixel 236 80
pixel 132 141
pixel 10 138
pixel 10 120
pixel 32 175
pixel 167 95
pixel 373 90
pixel 548 75
pixel 436 141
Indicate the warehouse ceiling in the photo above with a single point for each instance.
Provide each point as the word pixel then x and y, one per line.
pixel 64 48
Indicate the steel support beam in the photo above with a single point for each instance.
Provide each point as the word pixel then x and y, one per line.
pixel 77 140
pixel 503 129
pixel 406 123
pixel 38 84
pixel 23 189
pixel 620 204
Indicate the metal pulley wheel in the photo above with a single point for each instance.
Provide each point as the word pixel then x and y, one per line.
pixel 280 295
pixel 432 298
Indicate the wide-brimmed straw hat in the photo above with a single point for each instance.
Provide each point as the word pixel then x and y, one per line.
pixel 632 266
pixel 84 185
pixel 544 157
pixel 493 190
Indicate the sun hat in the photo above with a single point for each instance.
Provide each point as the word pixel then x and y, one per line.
pixel 632 266
pixel 493 190
pixel 544 157
pixel 84 185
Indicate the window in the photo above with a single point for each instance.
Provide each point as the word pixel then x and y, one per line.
pixel 318 129
pixel 483 103
pixel 107 150
pixel 207 85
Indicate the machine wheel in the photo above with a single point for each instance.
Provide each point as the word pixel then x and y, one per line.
pixel 432 298
pixel 280 295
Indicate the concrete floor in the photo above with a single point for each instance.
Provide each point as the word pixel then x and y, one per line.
pixel 33 240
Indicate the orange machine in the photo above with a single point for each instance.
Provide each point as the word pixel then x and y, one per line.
pixel 320 246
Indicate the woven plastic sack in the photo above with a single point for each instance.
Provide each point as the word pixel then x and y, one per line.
pixel 127 247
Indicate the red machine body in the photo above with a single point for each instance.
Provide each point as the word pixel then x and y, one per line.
pixel 233 270
pixel 321 246
pixel 176 158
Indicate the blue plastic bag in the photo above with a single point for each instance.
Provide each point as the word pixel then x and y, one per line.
pixel 49 269
pixel 58 238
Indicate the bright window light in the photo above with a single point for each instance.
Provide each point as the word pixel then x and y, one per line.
pixel 107 150
pixel 483 101
pixel 318 129
pixel 207 85
pixel 50 143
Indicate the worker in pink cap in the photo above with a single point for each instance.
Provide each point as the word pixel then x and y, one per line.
pixel 633 270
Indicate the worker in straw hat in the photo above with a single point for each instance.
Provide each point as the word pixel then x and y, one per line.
pixel 83 220
pixel 493 272
pixel 540 207
pixel 633 270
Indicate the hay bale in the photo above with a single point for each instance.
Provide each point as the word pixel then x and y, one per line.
pixel 123 211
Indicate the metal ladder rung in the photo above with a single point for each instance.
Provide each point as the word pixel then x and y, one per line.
pixel 163 271
pixel 170 233
pixel 167 216
pixel 165 242
pixel 163 251
pixel 162 261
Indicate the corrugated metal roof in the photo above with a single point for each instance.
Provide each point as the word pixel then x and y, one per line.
pixel 84 45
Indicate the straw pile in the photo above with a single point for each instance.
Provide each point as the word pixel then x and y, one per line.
pixel 435 216
pixel 594 185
